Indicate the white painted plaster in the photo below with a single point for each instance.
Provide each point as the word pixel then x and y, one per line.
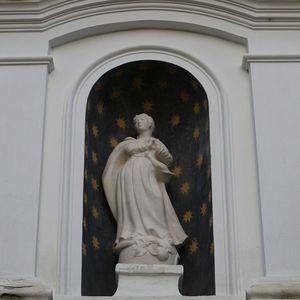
pixel 21 130
pixel 138 280
pixel 28 28
pixel 277 115
pixel 234 173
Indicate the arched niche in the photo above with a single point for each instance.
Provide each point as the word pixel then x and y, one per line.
pixel 178 103
pixel 73 172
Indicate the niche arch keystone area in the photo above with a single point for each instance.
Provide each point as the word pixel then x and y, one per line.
pixel 71 236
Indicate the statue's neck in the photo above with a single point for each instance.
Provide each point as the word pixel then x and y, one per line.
pixel 145 134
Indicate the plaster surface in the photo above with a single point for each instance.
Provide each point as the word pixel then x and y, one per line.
pixel 262 225
pixel 138 280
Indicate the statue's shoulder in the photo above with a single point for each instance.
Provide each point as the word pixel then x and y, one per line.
pixel 121 146
pixel 129 138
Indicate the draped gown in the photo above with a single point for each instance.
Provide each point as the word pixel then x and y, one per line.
pixel 134 183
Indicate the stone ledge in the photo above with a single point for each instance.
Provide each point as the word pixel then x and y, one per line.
pixel 148 280
pixel 275 288
pixel 141 269
pixel 149 298
pixel 27 288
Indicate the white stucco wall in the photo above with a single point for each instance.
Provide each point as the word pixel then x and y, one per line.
pixel 21 130
pixel 259 113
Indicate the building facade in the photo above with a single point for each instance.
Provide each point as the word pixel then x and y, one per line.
pixel 245 54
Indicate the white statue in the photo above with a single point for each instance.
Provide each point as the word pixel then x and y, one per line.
pixel 134 183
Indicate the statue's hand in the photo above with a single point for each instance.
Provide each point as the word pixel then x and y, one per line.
pixel 153 145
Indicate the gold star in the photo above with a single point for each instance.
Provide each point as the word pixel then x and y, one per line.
pixel 193 247
pixel 84 223
pixel 85 199
pixel 148 106
pixel 95 130
pixel 98 87
pixel 137 82
pixel 184 96
pixel 115 94
pixel 196 133
pixel 119 72
pixel 175 120
pixel 121 123
pixel 144 67
pixel 199 160
pixel 163 84
pixel 94 157
pixel 95 242
pixel 86 151
pixel 209 197
pixel 95 184
pixel 206 127
pixel 185 187
pixel 210 222
pixel 211 249
pixel 100 108
pixel 171 70
pixel 197 108
pixel 84 249
pixel 208 148
pixel 177 170
pixel 114 142
pixel 86 177
pixel 209 172
pixel 205 104
pixel 194 84
pixel 95 212
pixel 187 217
pixel 203 209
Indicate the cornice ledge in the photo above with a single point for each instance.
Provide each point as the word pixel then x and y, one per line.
pixel 268 58
pixel 275 288
pixel 28 61
pixel 54 13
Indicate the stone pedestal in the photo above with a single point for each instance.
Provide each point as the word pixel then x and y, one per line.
pixel 148 280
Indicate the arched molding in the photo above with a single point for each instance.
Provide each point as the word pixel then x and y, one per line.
pixel 226 247
pixel 64 35
pixel 40 17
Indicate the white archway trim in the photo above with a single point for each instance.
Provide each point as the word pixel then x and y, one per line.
pixel 225 240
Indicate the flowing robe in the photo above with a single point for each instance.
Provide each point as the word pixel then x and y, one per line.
pixel 134 183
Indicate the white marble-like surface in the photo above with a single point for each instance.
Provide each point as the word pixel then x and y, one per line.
pixel 148 280
pixel 150 298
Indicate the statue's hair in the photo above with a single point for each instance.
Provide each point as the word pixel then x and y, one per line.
pixel 150 120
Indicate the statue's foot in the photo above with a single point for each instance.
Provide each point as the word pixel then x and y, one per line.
pixel 150 255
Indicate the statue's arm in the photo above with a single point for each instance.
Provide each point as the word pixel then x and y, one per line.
pixel 163 154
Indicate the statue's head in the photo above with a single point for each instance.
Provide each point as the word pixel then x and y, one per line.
pixel 143 122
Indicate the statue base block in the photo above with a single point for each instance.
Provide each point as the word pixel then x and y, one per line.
pixel 148 280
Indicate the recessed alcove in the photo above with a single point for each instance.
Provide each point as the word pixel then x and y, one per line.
pixel 233 190
pixel 178 103
pixel 71 236
pixel 82 41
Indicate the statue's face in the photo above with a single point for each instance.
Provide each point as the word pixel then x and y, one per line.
pixel 142 123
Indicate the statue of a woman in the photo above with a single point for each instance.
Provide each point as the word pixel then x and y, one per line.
pixel 134 183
